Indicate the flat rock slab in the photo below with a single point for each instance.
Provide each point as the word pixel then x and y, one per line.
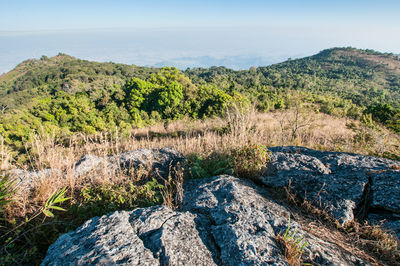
pixel 348 186
pixel 223 221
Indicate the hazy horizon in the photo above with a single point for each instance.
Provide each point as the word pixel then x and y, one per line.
pixel 188 34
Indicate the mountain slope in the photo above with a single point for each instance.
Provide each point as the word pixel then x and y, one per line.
pixel 35 78
pixel 362 76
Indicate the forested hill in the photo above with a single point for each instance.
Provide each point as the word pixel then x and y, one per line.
pixel 64 94
pixel 362 76
pixel 42 77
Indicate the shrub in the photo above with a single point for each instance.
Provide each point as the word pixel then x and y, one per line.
pixel 105 198
pixel 250 161
pixel 211 165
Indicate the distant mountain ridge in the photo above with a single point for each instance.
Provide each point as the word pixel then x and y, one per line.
pixel 362 76
pixel 362 70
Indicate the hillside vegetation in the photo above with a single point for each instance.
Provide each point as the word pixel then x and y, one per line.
pixel 65 95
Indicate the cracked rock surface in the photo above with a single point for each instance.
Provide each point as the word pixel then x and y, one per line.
pixel 348 186
pixel 224 221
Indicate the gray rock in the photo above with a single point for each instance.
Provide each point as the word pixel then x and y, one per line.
pixel 386 190
pixel 160 161
pixel 348 186
pixel 223 221
pixel 246 220
pixel 241 219
pixel 87 163
pixel 108 240
pixel 26 180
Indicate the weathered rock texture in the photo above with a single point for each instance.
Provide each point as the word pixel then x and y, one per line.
pixel 346 185
pixel 224 221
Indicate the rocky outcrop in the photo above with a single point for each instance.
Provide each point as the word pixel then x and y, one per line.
pixel 224 221
pixel 347 186
pixel 229 221
pixel 159 161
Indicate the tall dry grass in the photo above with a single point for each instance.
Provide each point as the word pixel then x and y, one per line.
pixel 241 126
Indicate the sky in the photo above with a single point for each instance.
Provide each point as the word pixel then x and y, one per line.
pixel 189 33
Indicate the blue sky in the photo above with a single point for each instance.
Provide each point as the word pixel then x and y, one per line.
pixel 151 31
pixel 87 14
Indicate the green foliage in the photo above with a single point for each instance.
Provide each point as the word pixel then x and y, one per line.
pixel 137 91
pixel 73 112
pixel 25 241
pixel 65 95
pixel 380 112
pixel 211 165
pixel 246 162
pixel 249 161
pixel 341 75
pixel 92 201
pixel 384 114
pixel 105 198
pixel 211 101
pixel 51 203
pixel 168 100
pixel 172 95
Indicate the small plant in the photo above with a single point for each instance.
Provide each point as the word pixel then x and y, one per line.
pixel 292 246
pixel 14 247
pixel 54 199
pixel 250 160
pixel 214 164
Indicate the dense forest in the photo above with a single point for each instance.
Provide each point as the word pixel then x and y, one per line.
pixel 64 95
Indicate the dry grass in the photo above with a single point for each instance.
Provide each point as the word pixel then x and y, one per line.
pixel 290 250
pixel 172 192
pixel 46 151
